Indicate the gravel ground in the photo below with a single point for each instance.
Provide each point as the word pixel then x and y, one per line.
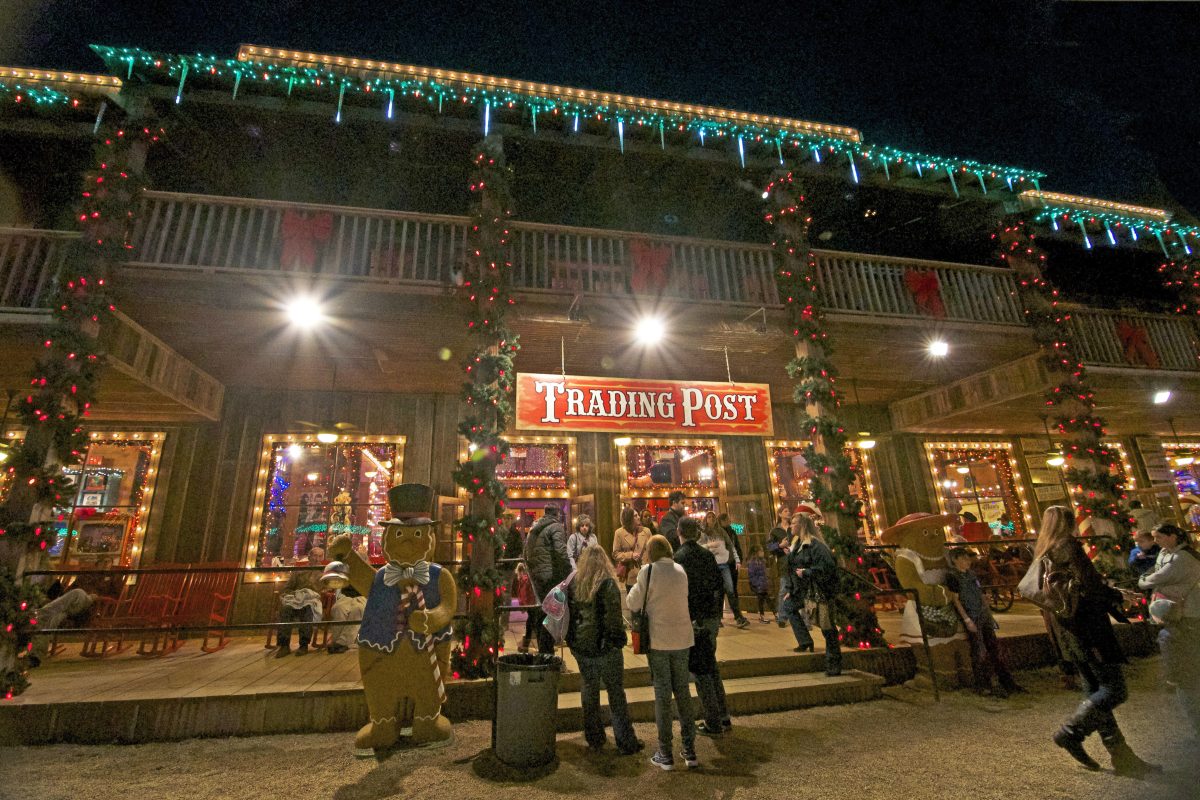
pixel 905 746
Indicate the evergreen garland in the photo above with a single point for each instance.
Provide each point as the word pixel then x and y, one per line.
pixel 1183 278
pixel 796 279
pixel 63 386
pixel 485 292
pixel 1070 399
pixel 19 603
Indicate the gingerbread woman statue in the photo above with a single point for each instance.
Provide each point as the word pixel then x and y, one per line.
pixel 404 638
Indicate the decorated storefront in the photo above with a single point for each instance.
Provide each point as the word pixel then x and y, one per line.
pixel 1181 457
pixel 980 479
pixel 791 481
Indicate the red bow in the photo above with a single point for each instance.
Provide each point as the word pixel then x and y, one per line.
pixel 926 291
pixel 650 267
pixel 301 237
pixel 1136 344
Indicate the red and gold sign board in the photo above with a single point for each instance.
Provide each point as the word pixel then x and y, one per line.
pixel 628 405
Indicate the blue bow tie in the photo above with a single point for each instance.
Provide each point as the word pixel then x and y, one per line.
pixel 393 573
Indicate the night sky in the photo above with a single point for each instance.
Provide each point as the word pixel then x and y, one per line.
pixel 1105 97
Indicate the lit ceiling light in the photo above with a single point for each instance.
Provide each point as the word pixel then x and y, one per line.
pixel 650 330
pixel 623 441
pixel 3 453
pixel 295 451
pixel 962 469
pixel 1055 459
pixel 1184 459
pixel 939 348
pixel 327 436
pixel 705 473
pixel 312 477
pixel 865 442
pixel 1162 396
pixel 305 311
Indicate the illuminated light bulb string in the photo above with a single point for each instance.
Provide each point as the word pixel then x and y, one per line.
pixel 485 295
pixel 1070 400
pixel 1182 276
pixel 796 279
pixel 62 388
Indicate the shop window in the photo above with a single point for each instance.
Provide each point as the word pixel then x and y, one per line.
pixel 310 492
pixel 537 468
pixel 1183 460
pixel 791 482
pixel 652 469
pixel 105 522
pixel 980 479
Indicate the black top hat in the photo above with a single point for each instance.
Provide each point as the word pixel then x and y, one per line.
pixel 411 504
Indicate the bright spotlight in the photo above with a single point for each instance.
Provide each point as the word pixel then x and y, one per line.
pixel 939 348
pixel 1162 396
pixel 295 451
pixel 650 330
pixel 305 312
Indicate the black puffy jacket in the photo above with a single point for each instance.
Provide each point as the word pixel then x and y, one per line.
pixel 546 554
pixel 596 627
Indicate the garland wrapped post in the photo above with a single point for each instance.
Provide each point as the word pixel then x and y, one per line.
pixel 63 385
pixel 1183 278
pixel 812 367
pixel 1070 400
pixel 485 292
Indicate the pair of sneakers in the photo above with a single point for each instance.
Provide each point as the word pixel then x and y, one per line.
pixel 665 761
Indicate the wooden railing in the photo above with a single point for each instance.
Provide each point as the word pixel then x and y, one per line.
pixel 228 233
pixel 30 261
pixel 1132 339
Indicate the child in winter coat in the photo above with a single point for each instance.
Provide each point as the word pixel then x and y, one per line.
pixel 756 572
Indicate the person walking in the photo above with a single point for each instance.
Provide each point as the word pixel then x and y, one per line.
pixel 705 598
pixel 662 592
pixel 1175 583
pixel 549 565
pixel 813 576
pixel 596 634
pixel 1088 642
pixel 630 547
pixel 583 536
pixel 756 573
pixel 668 526
pixel 717 541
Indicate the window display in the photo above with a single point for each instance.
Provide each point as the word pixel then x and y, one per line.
pixel 791 481
pixel 653 468
pixel 1185 474
pixel 980 479
pixel 105 523
pixel 311 492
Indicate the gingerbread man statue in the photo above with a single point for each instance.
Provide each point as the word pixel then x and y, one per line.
pixel 404 638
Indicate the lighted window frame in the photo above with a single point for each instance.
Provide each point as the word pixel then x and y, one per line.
pixel 1185 480
pixel 660 490
pixel 530 489
pixel 133 515
pixel 256 535
pixel 863 487
pixel 1017 504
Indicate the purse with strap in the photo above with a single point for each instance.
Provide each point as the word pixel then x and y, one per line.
pixel 641 620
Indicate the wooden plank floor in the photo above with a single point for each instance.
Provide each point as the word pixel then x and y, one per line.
pixel 245 667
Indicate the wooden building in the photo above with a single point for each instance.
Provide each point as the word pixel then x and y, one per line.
pixel 296 183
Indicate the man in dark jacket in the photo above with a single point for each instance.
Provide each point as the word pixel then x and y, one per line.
pixel 706 593
pixel 668 526
pixel 548 565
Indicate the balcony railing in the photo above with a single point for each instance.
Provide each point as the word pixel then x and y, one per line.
pixel 1131 339
pixel 228 233
pixel 30 261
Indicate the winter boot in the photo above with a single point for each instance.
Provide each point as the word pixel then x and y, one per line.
pixel 1125 762
pixel 1071 735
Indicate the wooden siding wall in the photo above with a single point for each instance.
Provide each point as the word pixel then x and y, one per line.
pixel 902 478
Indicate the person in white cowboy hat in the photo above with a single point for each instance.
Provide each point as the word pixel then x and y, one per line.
pixel 348 606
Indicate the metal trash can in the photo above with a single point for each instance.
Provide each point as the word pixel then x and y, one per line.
pixel 526 704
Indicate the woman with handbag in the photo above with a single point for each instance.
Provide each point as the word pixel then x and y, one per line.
pixel 1082 605
pixel 660 596
pixel 596 634
pixel 813 576
pixel 1175 581
pixel 629 547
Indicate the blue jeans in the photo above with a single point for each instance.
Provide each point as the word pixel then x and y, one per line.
pixel 709 687
pixel 669 671
pixel 793 612
pixel 609 670
pixel 730 589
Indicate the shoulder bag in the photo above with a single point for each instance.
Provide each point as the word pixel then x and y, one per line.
pixel 641 620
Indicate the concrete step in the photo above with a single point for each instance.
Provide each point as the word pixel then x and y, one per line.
pixel 749 695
